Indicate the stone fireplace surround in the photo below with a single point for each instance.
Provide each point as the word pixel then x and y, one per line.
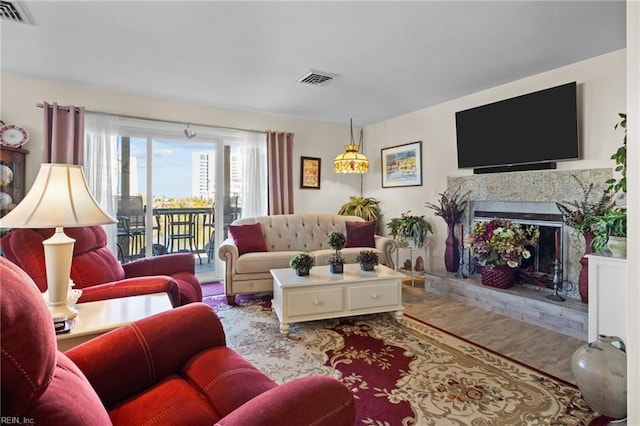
pixel 539 190
pixel 542 187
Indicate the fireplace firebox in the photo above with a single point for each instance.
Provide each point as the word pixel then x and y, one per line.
pixel 538 269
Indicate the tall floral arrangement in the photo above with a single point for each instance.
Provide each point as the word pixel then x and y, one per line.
pixel 450 206
pixel 501 242
pixel 582 215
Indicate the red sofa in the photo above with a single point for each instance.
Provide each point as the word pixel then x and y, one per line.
pixel 96 271
pixel 169 369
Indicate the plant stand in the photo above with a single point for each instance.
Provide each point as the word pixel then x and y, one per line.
pixel 412 278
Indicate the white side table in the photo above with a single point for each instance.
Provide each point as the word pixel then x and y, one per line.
pixel 95 318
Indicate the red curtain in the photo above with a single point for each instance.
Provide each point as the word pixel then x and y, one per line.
pixel 280 172
pixel 63 134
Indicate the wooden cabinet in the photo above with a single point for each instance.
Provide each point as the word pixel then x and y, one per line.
pixel 607 297
pixel 12 177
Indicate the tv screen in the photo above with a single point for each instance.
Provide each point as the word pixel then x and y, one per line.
pixel 534 128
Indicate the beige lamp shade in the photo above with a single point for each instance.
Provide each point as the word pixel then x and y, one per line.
pixel 59 197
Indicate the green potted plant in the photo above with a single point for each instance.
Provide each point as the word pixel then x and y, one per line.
pixel 451 207
pixel 336 263
pixel 611 232
pixel 336 241
pixel 368 260
pixel 367 208
pixel 582 215
pixel 620 157
pixel 409 227
pixel 302 263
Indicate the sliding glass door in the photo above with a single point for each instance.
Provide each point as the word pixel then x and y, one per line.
pixel 180 195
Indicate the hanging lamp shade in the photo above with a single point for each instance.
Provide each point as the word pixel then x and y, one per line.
pixel 351 161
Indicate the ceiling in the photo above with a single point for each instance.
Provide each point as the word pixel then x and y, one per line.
pixel 391 57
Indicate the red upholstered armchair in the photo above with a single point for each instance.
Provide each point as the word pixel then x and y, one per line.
pixel 169 369
pixel 96 271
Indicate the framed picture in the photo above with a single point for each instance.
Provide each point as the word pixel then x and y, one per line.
pixel 402 165
pixel 309 173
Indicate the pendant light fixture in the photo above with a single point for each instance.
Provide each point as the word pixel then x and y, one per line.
pixel 351 161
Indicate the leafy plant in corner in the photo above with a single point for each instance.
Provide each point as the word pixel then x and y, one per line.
pixel 367 208
pixel 451 206
pixel 612 223
pixel 620 157
pixel 410 228
pixel 302 262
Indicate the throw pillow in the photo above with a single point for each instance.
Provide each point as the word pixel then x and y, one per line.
pixel 248 238
pixel 361 234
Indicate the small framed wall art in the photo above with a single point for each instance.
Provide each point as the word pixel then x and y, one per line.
pixel 310 172
pixel 402 165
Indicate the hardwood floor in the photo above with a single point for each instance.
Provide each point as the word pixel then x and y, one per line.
pixel 535 346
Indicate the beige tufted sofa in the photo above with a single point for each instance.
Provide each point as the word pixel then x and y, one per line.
pixel 286 235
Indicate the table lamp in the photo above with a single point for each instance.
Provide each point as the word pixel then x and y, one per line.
pixel 59 198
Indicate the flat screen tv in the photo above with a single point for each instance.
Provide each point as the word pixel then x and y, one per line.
pixel 539 127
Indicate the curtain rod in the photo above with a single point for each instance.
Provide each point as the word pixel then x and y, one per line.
pixel 158 120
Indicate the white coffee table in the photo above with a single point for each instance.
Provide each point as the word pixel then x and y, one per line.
pixel 95 318
pixel 322 295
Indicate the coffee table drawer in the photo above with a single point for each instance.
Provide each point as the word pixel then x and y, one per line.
pixel 314 302
pixel 372 296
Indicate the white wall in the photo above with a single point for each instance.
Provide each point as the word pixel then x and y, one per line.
pixel 601 96
pixel 19 96
pixel 633 204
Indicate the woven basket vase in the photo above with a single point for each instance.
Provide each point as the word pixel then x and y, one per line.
pixel 500 276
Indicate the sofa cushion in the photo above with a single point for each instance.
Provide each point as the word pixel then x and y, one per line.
pixel 262 262
pixel 248 238
pixel 361 234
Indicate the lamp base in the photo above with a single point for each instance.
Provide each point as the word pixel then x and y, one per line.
pixel 64 318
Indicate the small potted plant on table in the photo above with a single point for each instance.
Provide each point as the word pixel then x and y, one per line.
pixel 368 260
pixel 302 263
pixel 336 241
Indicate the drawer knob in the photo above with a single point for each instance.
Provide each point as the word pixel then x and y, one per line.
pixel 375 296
pixel 316 302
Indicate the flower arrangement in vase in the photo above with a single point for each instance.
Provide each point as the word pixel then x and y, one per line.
pixel 302 263
pixel 368 259
pixel 336 241
pixel 500 246
pixel 582 216
pixel 451 207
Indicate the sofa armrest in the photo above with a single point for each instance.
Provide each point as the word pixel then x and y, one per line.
pixel 129 287
pixel 167 264
pixel 228 253
pixel 130 359
pixel 313 400
pixel 388 246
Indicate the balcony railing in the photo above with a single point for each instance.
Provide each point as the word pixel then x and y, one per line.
pixel 174 230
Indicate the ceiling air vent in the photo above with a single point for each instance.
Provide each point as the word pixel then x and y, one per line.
pixel 317 78
pixel 15 11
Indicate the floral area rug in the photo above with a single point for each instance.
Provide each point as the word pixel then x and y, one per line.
pixel 401 374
